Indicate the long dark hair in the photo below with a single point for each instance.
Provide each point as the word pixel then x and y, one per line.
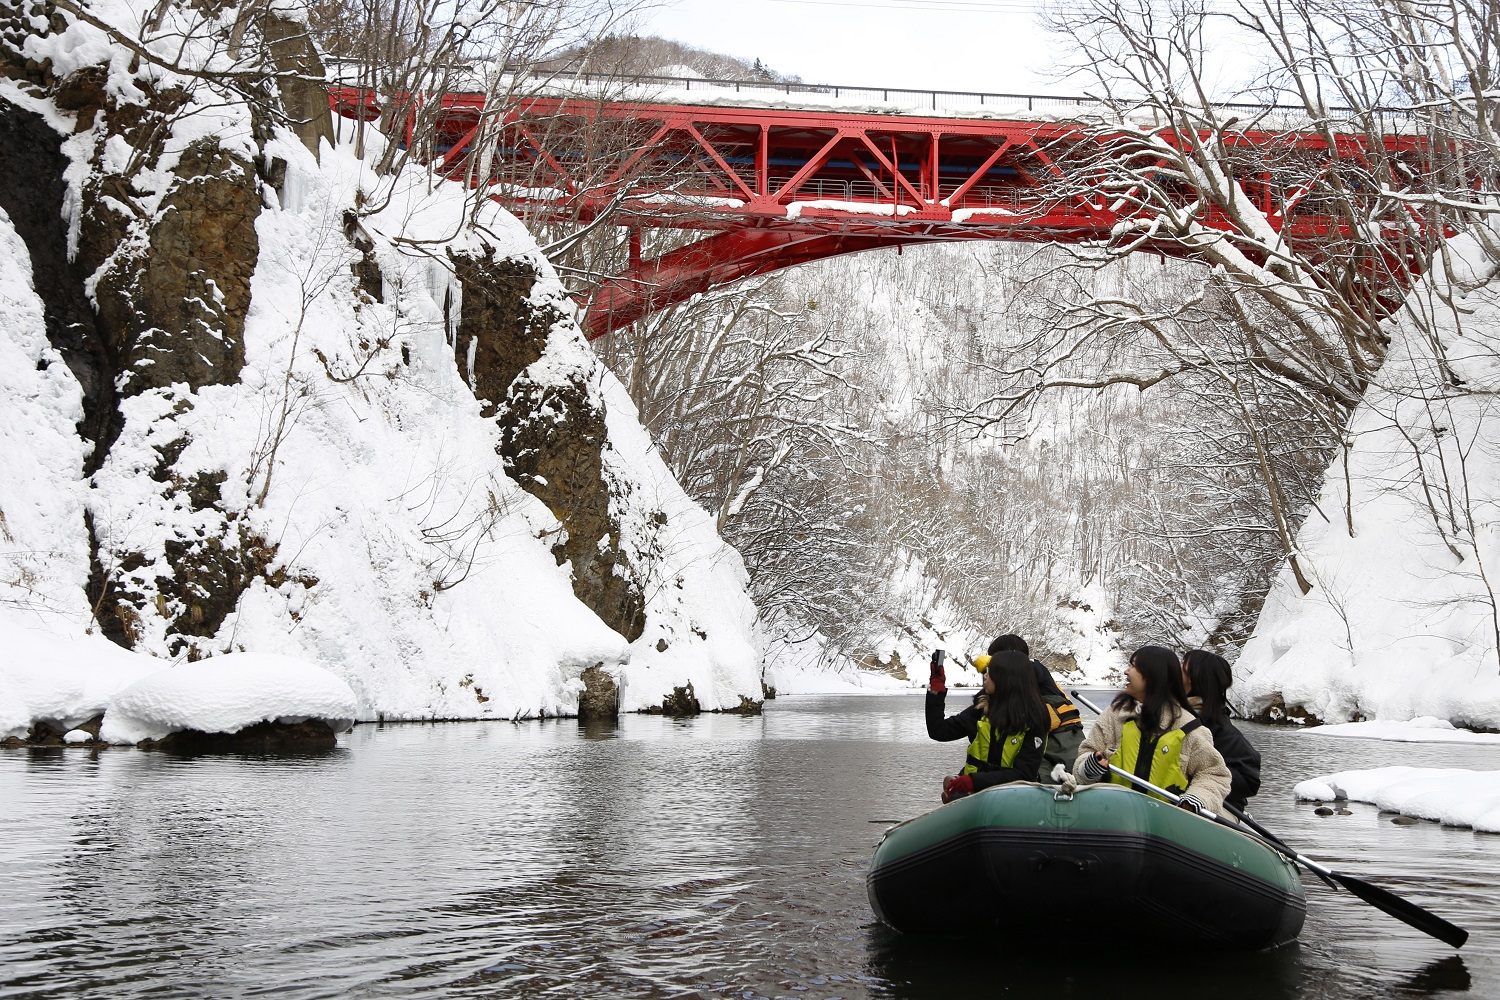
pixel 1210 677
pixel 1016 706
pixel 1158 668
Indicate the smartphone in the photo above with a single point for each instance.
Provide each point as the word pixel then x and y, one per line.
pixel 937 656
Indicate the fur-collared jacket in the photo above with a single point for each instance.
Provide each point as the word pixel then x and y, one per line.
pixel 1208 775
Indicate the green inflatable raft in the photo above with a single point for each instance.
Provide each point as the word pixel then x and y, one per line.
pixel 1045 860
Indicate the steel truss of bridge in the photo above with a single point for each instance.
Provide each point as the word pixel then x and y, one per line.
pixel 774 187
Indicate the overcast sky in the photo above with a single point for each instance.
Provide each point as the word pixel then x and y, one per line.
pixel 987 45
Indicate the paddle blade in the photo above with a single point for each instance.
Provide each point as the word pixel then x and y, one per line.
pixel 1404 910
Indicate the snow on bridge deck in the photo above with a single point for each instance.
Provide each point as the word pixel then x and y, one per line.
pixel 854 99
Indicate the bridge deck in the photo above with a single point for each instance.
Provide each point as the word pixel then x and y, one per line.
pixel 780 185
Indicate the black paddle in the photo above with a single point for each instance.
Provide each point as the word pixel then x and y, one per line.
pixel 1382 899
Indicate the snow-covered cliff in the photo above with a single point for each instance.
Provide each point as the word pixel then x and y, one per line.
pixel 1402 550
pixel 305 451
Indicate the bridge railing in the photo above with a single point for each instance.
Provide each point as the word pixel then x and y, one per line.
pixel 836 189
pixel 834 97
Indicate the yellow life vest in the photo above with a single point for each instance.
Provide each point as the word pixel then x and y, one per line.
pixel 979 749
pixel 1157 760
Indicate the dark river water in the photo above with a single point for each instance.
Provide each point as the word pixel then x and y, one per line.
pixel 709 857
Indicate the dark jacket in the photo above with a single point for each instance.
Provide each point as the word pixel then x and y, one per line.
pixel 965 725
pixel 1063 742
pixel 1242 758
pixel 1044 680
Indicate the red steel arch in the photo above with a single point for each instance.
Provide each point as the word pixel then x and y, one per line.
pixel 773 187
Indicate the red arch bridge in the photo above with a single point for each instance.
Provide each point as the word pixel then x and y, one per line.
pixel 770 187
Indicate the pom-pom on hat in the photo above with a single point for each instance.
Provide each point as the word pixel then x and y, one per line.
pixel 982 662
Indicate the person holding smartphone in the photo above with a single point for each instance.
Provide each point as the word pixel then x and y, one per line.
pixel 1006 727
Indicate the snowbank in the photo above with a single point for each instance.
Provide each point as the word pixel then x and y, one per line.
pixel 1426 729
pixel 1451 796
pixel 226 694
pixel 1401 619
pixel 60 680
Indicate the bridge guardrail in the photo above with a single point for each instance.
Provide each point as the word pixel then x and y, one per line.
pixel 893 100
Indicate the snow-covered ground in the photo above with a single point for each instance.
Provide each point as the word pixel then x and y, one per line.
pixel 1451 796
pixel 1425 729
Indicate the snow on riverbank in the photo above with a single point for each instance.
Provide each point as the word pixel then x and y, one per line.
pixel 226 694
pixel 1400 621
pixel 1425 729
pixel 1451 796
pixel 62 681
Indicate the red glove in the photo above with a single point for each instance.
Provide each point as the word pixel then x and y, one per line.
pixel 957 787
pixel 937 682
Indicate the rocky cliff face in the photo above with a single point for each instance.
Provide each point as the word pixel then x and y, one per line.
pixel 284 454
pixel 163 241
pixel 553 433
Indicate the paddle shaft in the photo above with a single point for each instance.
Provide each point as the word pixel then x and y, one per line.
pixel 1245 818
pixel 1242 817
pixel 1382 899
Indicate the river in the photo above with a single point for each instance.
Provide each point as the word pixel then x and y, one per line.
pixel 718 856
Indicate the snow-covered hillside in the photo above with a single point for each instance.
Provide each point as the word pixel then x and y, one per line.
pixel 348 475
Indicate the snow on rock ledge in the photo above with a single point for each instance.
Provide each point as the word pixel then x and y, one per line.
pixel 226 694
pixel 1451 796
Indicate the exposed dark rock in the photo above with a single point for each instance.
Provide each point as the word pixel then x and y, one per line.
pixel 44 734
pixel 311 736
pixel 552 435
pixel 367 273
pixel 19 20
pixel 600 699
pixel 32 163
pixel 1323 811
pixel 506 332
pixel 1278 711
pixel 681 702
pixel 304 97
pixel 174 308
pixel 768 691
pixel 92 726
pixel 872 661
pixel 50 734
pixel 83 94
pixel 1405 820
pixel 1064 663
pixel 748 706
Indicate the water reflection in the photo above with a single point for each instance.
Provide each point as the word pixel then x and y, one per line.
pixel 722 856
pixel 1073 966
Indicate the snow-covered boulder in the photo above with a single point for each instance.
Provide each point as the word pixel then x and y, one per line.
pixel 60 681
pixel 227 694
